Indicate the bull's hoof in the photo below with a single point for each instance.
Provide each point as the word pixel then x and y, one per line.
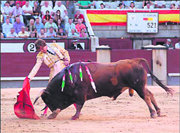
pixel 75 117
pixel 53 115
pixel 153 115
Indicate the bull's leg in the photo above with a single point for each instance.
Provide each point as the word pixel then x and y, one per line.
pixel 145 95
pixel 155 103
pixel 54 114
pixel 78 110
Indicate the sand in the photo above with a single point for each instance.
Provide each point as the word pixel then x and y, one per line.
pixel 102 115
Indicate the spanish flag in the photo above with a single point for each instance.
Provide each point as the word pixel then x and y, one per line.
pixel 119 17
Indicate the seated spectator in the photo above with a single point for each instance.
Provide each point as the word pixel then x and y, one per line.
pixel 51 33
pixel 49 24
pixel 168 44
pixel 38 25
pixel 132 5
pixel 145 2
pixel 79 25
pixel 17 11
pixel 57 16
pixel 60 24
pixel 120 6
pixel 73 33
pixel 77 16
pixel 173 6
pixel 36 10
pixel 61 33
pixel 84 4
pixel 160 4
pixel 69 26
pixel 31 26
pixel 102 6
pixel 46 7
pixel 97 4
pixel 6 27
pixel 12 34
pixel 177 45
pixel 21 3
pixel 75 45
pixel 127 3
pixel 23 33
pixel 33 34
pixel 83 33
pixel 42 34
pixel 17 25
pixel 50 3
pixel 148 6
pixel 7 12
pixel 28 11
pixel 46 17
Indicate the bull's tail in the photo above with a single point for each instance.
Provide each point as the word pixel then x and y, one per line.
pixel 168 90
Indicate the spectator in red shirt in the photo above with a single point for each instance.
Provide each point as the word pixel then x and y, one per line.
pixel 77 16
pixel 46 17
pixel 79 25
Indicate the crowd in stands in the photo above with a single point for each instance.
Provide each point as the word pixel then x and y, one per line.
pixel 41 19
pixel 32 19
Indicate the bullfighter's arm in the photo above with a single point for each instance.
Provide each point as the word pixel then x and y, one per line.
pixel 35 68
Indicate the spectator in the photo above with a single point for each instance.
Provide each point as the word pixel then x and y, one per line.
pixel 21 3
pixel 17 11
pixel 12 3
pixel 60 24
pixel 126 3
pixel 102 6
pixel 23 33
pixel 132 5
pixel 83 33
pixel 160 4
pixel 57 16
pixel 97 4
pixel 6 27
pixel 31 26
pixel 38 25
pixel 69 26
pixel 63 10
pixel 50 3
pixel 77 16
pixel 42 33
pixel 51 33
pixel 28 11
pixel 46 7
pixel 36 10
pixel 33 34
pixel 49 24
pixel 61 33
pixel 168 44
pixel 12 33
pixel 79 25
pixel 73 33
pixel 177 45
pixel 7 12
pixel 70 8
pixel 84 4
pixel 145 2
pixel 46 17
pixel 173 6
pixel 120 6
pixel 148 6
pixel 17 25
pixel 75 45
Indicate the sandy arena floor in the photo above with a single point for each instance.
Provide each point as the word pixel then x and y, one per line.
pixel 102 115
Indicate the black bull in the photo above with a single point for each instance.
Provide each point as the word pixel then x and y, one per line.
pixel 111 79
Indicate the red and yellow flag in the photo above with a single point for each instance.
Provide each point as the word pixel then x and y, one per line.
pixel 119 17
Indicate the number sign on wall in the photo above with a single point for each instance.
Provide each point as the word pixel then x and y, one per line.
pixel 142 22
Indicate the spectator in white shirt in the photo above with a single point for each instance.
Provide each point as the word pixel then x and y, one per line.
pixel 63 10
pixel 69 26
pixel 7 11
pixel 6 27
pixel 23 33
pixel 43 3
pixel 148 6
pixel 160 4
pixel 28 11
pixel 12 34
pixel 46 7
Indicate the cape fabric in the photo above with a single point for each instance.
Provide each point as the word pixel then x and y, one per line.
pixel 23 108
